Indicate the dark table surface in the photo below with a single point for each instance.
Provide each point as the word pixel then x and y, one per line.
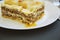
pixel 50 32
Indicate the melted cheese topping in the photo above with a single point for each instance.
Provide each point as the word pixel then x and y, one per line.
pixel 24 6
pixel 11 2
pixel 25 3
pixel 25 11
pixel 19 8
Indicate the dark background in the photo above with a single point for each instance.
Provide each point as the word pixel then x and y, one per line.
pixel 50 32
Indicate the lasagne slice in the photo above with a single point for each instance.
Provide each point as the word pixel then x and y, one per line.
pixel 25 11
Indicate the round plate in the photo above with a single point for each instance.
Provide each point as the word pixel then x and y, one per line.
pixel 51 15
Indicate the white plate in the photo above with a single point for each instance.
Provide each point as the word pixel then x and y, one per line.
pixel 51 15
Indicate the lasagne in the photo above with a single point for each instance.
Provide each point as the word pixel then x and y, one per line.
pixel 26 11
